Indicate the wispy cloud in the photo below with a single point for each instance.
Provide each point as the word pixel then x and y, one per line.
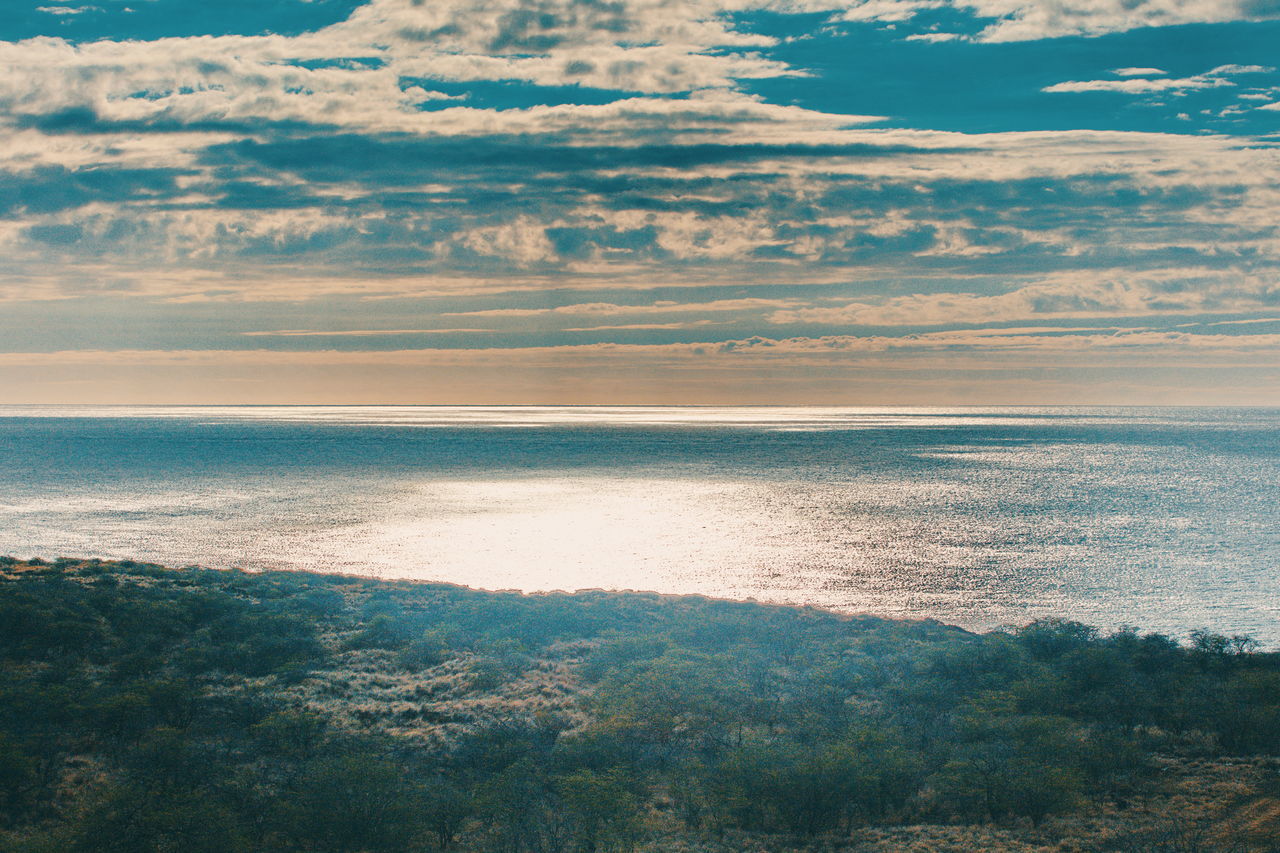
pixel 1138 81
pixel 67 10
pixel 1139 85
pixel 613 309
pixel 1072 296
pixel 355 333
pixel 687 324
pixel 1033 339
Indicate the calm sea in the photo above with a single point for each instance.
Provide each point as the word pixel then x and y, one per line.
pixel 1165 519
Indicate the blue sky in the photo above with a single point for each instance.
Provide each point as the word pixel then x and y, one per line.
pixel 860 202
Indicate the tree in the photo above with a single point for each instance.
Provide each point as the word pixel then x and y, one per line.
pixel 601 809
pixel 445 808
pixel 351 803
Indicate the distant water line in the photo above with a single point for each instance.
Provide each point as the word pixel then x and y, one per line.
pixel 1164 519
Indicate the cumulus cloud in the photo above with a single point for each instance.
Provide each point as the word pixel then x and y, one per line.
pixel 302 217
pixel 374 69
pixel 362 71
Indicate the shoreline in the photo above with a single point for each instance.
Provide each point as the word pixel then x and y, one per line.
pixel 36 562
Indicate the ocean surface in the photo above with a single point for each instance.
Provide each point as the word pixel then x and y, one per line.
pixel 1162 519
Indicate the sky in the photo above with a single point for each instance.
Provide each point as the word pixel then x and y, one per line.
pixel 866 202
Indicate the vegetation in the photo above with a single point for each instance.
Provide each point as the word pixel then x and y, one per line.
pixel 149 709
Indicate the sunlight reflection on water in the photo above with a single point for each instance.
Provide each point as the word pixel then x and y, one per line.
pixel 1160 518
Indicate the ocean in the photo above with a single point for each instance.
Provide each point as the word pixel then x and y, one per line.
pixel 1161 519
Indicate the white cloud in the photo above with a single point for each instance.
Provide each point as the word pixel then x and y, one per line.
pixel 651 46
pixel 1139 72
pixel 888 10
pixel 1139 85
pixel 648 46
pixel 523 242
pixel 934 37
pixel 196 250
pixel 1021 20
pixel 67 10
pixel 1025 20
pixel 1242 69
pixel 778 225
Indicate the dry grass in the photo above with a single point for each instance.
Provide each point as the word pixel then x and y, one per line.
pixel 1191 804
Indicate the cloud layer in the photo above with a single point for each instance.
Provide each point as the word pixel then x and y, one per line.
pixel 846 186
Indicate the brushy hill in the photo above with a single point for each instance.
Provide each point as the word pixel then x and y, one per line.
pixel 150 709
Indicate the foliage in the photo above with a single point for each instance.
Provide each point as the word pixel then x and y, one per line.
pixel 149 709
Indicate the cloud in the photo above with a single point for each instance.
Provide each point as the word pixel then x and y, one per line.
pixel 1027 20
pixel 1241 69
pixel 1140 81
pixel 1249 322
pixel 686 324
pixel 394 214
pixel 67 10
pixel 1139 72
pixel 356 333
pixel 612 309
pixel 361 72
pixel 375 69
pixel 639 168
pixel 811 349
pixel 1140 85
pixel 1133 295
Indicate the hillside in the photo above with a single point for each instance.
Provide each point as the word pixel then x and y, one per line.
pixel 145 708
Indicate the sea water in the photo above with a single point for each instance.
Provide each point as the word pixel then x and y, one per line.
pixel 1162 519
